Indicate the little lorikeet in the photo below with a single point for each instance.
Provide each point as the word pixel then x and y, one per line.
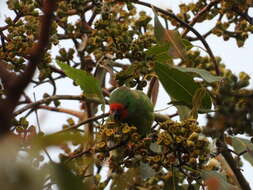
pixel 132 107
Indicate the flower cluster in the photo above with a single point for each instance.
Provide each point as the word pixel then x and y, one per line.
pixel 182 144
pixel 234 107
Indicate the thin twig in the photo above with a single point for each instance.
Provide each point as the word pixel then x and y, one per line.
pixel 38 124
pixel 93 16
pixel 17 17
pixel 56 70
pixel 89 120
pixel 36 113
pixel 3 42
pixel 161 117
pixel 199 14
pixel 244 15
pixel 237 154
pixel 204 36
pixel 51 98
pixel 77 114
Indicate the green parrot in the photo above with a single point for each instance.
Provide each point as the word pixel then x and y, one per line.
pixel 132 107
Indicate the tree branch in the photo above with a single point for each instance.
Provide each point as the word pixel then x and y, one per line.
pixel 161 118
pixel 17 85
pixel 229 172
pixel 89 120
pixel 77 114
pixel 230 160
pixel 17 17
pixel 244 15
pixel 51 98
pixel 5 75
pixel 199 14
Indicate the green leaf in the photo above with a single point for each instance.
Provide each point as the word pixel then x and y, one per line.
pixel 159 30
pixel 87 82
pixel 163 58
pixel 179 85
pixel 216 177
pixel 208 77
pixel 160 52
pixel 240 145
pixel 157 49
pixel 65 179
pixel 187 44
pixel 172 37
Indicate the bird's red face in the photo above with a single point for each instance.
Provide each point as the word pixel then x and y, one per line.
pixel 118 111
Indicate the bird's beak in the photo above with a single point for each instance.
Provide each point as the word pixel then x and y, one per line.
pixel 115 115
